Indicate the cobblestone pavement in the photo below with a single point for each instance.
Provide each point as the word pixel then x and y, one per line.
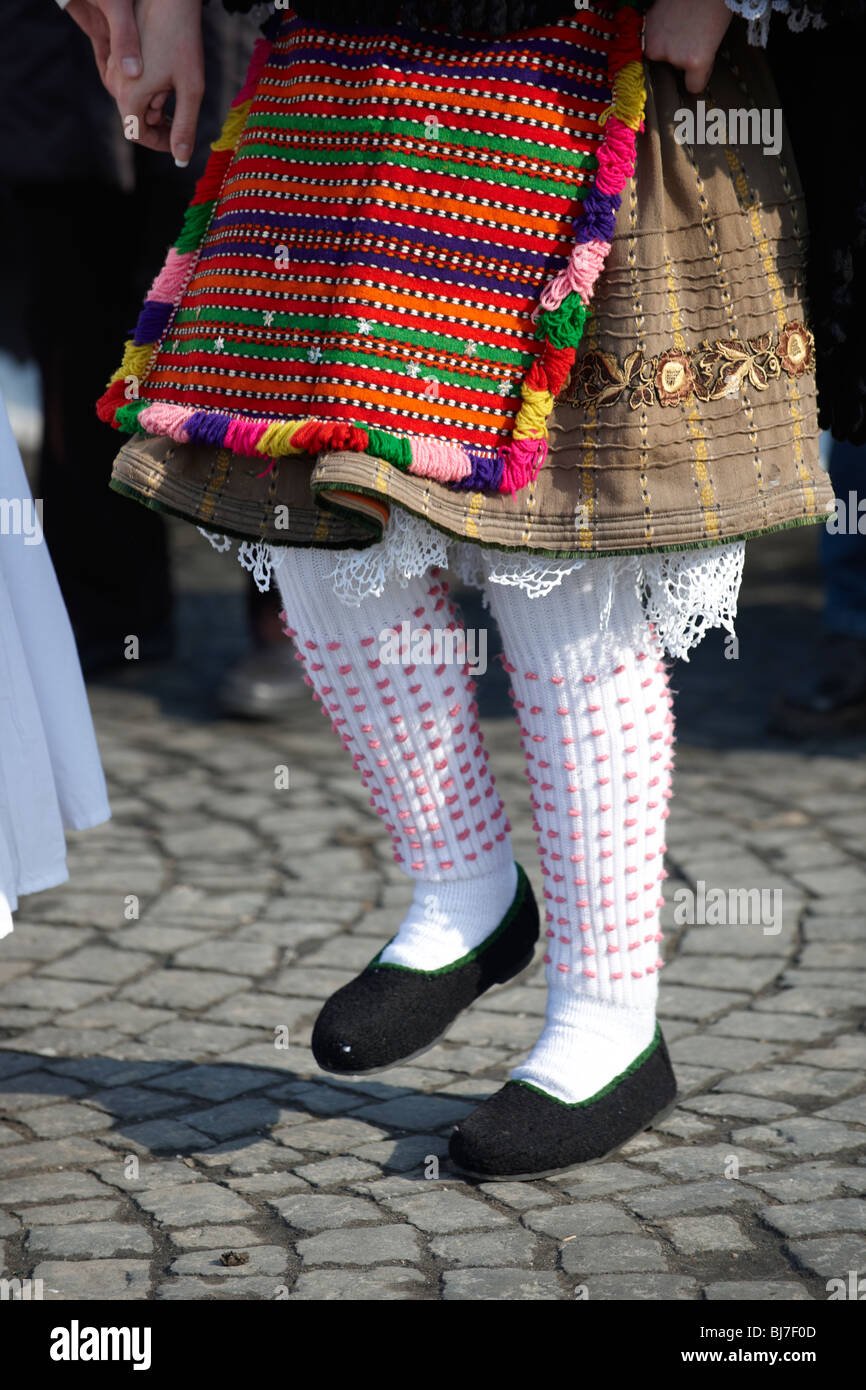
pixel 156 1143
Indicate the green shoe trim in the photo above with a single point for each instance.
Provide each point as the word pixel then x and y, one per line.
pixel 605 1090
pixel 517 903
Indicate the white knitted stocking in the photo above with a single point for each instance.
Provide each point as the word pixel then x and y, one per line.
pixel 595 714
pixel 412 730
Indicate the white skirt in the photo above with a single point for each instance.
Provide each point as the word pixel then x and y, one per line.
pixel 51 778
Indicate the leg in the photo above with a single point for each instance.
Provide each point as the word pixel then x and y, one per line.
pixel 412 730
pixel 595 715
pixel 596 723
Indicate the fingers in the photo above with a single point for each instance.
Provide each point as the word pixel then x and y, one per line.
pixel 697 76
pixel 94 26
pixel 123 36
pixel 187 104
pixel 153 115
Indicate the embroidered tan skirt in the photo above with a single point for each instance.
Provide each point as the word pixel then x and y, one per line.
pixel 689 419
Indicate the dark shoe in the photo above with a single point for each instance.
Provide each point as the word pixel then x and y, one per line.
pixel 391 1013
pixel 832 701
pixel 262 684
pixel 522 1133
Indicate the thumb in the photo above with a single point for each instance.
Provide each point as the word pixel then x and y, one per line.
pixel 697 77
pixel 123 32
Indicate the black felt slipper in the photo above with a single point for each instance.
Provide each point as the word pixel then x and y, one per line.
pixel 391 1013
pixel 522 1132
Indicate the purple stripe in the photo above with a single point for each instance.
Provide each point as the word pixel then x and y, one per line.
pixel 567 83
pixel 545 265
pixel 152 321
pixel 374 227
pixel 570 51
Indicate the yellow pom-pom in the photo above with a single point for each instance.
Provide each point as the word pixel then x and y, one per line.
pixel 629 99
pixel 136 360
pixel 234 124
pixel 277 439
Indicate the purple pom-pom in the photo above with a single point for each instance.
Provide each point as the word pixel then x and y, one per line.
pixel 152 321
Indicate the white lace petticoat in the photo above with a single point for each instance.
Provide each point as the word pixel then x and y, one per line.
pixel 684 592
pixel 758 13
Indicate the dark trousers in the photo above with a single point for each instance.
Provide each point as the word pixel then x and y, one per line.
pixel 90 252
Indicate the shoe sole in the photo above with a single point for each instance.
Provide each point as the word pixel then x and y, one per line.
pixel 572 1167
pixel 428 1047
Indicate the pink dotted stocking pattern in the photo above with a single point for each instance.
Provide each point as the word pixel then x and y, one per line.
pixel 593 703
pixel 412 729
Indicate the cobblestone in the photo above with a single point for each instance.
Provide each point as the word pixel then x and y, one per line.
pixel 496 1285
pixel 814 1218
pixel 442 1212
pixel 190 1204
pixel 375 1285
pixel 761 1290
pixel 260 1259
pixel 612 1255
pixel 695 1235
pixel 114 1280
pixel 364 1245
pixel 99 1239
pixel 579 1219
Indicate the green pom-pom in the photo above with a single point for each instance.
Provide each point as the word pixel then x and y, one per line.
pixel 126 418
pixel 563 327
pixel 390 448
pixel 195 222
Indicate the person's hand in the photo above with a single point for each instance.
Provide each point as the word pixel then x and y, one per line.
pixel 110 25
pixel 172 61
pixel 687 34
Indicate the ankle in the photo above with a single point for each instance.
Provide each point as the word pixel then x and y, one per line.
pixel 448 918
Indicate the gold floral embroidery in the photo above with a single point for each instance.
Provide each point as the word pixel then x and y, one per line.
pixel 713 370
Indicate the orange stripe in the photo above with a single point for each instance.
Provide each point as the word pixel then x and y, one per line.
pixel 556 224
pixel 563 118
pixel 285 390
pixel 379 297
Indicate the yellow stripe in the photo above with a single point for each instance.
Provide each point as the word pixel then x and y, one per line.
pixel 768 262
pixel 473 511
pixel 215 483
pixel 706 492
pixel 585 510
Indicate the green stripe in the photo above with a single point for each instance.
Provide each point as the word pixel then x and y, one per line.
pixel 510 178
pixel 322 324
pixel 342 357
pixel 462 139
